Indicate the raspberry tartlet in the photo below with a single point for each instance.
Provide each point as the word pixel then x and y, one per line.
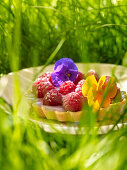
pixel 67 93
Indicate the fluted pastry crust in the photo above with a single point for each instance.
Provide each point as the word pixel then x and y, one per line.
pixel 113 112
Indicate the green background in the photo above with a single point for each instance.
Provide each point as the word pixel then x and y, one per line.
pixel 94 31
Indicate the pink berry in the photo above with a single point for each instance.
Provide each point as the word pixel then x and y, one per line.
pixel 73 102
pixel 67 87
pixel 79 77
pixel 52 98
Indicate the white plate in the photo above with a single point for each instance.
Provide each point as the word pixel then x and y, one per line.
pixel 26 76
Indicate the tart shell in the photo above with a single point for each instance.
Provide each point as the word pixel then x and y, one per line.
pixel 111 113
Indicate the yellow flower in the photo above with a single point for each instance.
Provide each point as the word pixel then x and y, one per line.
pixel 95 91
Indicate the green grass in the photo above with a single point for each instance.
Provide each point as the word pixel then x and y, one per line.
pixel 31 32
pixel 94 31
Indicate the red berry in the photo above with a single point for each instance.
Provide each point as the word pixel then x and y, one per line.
pixel 36 83
pixel 79 87
pixel 79 91
pixel 67 87
pixel 46 77
pixel 80 83
pixel 92 72
pixel 52 98
pixel 73 102
pixel 79 77
pixel 43 88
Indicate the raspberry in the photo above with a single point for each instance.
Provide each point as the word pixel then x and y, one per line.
pixel 79 77
pixel 79 87
pixel 52 98
pixel 92 72
pixel 73 102
pixel 80 83
pixel 42 88
pixel 46 77
pixel 67 87
pixel 36 83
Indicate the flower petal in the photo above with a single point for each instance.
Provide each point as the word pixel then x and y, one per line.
pixel 73 74
pixel 112 91
pixel 61 69
pixel 106 102
pixel 64 70
pixel 57 79
pixel 90 82
pixel 100 83
pixel 90 97
pixel 67 61
pixel 96 105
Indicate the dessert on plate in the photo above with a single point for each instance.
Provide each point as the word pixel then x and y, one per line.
pixel 66 93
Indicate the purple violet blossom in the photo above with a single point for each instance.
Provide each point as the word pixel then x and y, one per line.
pixel 64 70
